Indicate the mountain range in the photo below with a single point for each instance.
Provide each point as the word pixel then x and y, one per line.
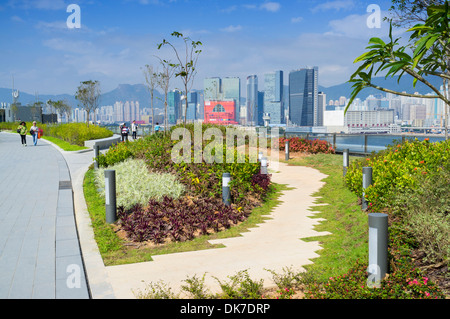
pixel 139 92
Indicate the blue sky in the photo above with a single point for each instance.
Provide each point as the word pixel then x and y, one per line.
pixel 118 38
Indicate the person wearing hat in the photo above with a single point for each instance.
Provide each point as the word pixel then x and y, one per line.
pixel 34 132
pixel 22 130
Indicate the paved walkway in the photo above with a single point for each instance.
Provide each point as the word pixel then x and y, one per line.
pixel 38 234
pixel 39 249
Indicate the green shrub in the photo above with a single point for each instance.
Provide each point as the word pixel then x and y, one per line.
pixel 116 154
pixel 136 185
pixel 77 133
pixel 396 169
pixel 425 214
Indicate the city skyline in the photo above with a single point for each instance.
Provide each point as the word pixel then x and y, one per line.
pixel 115 40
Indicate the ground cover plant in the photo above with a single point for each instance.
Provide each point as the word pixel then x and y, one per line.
pixel 136 185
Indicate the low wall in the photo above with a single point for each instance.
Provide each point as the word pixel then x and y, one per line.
pixel 103 143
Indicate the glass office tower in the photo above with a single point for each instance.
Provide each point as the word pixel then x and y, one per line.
pixel 252 100
pixel 273 96
pixel 303 97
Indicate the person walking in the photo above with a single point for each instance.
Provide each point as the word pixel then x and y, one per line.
pixel 34 132
pixel 22 130
pixel 157 127
pixel 124 132
pixel 134 129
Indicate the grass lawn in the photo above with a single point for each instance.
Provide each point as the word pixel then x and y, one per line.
pixel 63 144
pixel 344 219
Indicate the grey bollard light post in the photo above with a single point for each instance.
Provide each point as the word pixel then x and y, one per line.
pixel 287 150
pixel 346 160
pixel 226 195
pixel 260 156
pixel 367 181
pixel 110 196
pixel 96 154
pixel 378 248
pixel 264 165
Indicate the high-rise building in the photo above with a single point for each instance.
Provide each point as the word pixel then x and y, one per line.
pixel 273 97
pixel 173 106
pixel 191 114
pixel 303 97
pixel 252 100
pixel 322 100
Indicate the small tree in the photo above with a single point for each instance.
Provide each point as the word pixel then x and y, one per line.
pixel 163 81
pixel 409 12
pixel 430 57
pixel 88 94
pixel 61 107
pixel 186 66
pixel 151 78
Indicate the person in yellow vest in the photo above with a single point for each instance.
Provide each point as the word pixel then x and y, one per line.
pixel 22 130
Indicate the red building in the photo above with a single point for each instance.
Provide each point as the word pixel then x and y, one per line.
pixel 220 112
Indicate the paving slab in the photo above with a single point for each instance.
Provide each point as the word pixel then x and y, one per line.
pixel 37 229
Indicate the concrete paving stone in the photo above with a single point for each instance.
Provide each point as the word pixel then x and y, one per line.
pixel 65 292
pixel 69 247
pixel 68 265
pixel 44 290
pixel 65 199
pixel 66 233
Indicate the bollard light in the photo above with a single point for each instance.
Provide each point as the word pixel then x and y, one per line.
pixel 260 156
pixel 378 248
pixel 346 160
pixel 287 150
pixel 96 154
pixel 226 195
pixel 367 181
pixel 110 196
pixel 264 165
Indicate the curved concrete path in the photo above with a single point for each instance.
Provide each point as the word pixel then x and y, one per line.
pixel 274 244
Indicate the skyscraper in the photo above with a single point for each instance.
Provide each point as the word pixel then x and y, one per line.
pixel 252 100
pixel 273 96
pixel 303 97
pixel 173 106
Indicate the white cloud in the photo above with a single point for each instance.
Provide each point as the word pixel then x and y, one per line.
pixel 232 28
pixel 297 19
pixel 334 5
pixel 268 6
pixel 17 19
pixel 38 4
pixel 271 6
